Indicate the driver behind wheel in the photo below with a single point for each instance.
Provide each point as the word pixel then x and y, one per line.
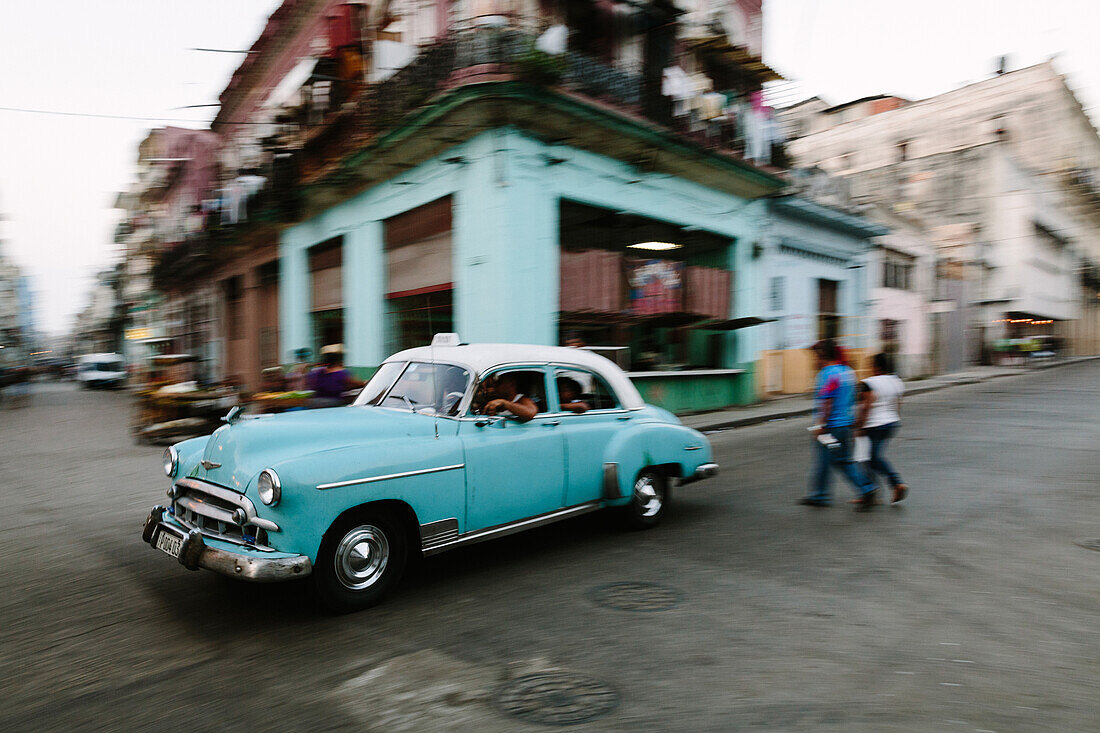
pixel 508 398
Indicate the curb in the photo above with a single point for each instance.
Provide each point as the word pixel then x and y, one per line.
pixel 919 389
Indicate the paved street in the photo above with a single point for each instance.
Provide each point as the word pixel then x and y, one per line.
pixel 968 608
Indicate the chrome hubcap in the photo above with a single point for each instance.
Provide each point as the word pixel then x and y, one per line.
pixel 647 496
pixel 361 557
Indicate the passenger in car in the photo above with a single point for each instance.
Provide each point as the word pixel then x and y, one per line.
pixel 508 398
pixel 569 395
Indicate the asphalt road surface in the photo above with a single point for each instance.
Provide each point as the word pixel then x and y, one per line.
pixel 970 607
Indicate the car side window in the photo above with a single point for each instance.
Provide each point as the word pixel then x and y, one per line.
pixel 580 391
pixel 509 384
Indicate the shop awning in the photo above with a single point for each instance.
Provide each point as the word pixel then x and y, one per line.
pixel 732 324
pixel 671 320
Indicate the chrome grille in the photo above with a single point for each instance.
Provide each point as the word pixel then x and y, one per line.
pixel 209 508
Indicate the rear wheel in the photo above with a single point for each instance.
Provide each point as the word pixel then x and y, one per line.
pixel 362 557
pixel 648 500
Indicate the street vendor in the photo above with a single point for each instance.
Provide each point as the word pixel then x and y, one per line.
pixel 330 381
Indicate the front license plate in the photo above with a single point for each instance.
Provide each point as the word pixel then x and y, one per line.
pixel 169 543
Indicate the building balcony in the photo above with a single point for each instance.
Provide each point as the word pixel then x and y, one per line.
pixel 504 54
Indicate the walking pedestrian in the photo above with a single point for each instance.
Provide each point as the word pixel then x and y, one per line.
pixel 834 397
pixel 880 418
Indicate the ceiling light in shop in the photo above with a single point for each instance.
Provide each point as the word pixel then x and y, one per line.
pixel 656 246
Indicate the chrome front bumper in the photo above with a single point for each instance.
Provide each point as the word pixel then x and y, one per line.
pixel 707 470
pixel 196 554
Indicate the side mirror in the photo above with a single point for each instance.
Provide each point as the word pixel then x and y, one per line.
pixel 487 420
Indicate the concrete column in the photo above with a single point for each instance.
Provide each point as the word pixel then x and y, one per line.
pixel 506 260
pixel 294 295
pixel 250 361
pixel 364 295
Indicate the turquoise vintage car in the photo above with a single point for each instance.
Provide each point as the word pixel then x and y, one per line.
pixel 435 453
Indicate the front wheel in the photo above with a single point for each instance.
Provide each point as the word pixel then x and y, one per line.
pixel 648 500
pixel 361 559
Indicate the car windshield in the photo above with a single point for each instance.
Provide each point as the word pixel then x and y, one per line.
pixel 417 386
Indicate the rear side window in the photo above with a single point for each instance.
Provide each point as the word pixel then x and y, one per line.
pixel 594 392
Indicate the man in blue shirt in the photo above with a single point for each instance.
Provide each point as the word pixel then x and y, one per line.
pixel 834 403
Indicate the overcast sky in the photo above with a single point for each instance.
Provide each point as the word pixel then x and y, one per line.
pixel 59 175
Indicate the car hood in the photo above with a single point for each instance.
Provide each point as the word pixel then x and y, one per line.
pixel 235 454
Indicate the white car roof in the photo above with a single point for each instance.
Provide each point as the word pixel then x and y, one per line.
pixel 482 357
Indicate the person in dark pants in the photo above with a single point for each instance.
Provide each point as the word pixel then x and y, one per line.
pixel 835 396
pixel 880 418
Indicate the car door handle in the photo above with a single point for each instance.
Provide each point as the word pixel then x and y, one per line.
pixel 551 423
pixel 624 417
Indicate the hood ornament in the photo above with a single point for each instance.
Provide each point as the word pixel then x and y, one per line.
pixel 233 415
pixel 209 465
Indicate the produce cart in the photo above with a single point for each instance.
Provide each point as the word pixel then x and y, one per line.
pixel 270 402
pixel 167 410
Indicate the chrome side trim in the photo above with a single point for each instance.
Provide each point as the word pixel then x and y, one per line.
pixel 388 476
pixel 503 530
pixel 611 488
pixel 438 532
pixel 694 447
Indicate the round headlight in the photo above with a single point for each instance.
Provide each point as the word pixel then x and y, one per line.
pixel 267 486
pixel 171 461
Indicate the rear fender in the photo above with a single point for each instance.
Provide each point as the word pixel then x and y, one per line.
pixel 675 449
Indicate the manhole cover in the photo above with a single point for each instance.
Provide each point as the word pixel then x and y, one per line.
pixel 1090 543
pixel 556 698
pixel 635 596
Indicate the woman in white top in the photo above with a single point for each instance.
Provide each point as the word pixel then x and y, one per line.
pixel 880 418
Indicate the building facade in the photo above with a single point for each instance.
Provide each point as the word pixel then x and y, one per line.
pixel 812 261
pixel 962 161
pixel 516 171
pixel 491 152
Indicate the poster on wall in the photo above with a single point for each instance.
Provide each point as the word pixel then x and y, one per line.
pixel 656 286
pixel 801 331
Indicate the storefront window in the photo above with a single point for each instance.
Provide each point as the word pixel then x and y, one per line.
pixel 414 319
pixel 327 293
pixel 641 291
pixel 328 328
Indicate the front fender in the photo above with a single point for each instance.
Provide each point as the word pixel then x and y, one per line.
pixel 678 448
pixel 190 453
pixel 305 512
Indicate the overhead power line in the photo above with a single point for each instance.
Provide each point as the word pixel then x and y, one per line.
pixel 220 50
pixel 95 115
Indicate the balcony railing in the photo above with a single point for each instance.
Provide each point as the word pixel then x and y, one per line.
pixel 466 57
pixel 479 55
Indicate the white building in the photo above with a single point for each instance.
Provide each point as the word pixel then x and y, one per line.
pixel 901 270
pixel 1013 159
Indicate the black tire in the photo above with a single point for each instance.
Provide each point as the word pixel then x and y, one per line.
pixel 362 558
pixel 648 500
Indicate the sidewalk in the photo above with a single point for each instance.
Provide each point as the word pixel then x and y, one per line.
pixel 799 405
